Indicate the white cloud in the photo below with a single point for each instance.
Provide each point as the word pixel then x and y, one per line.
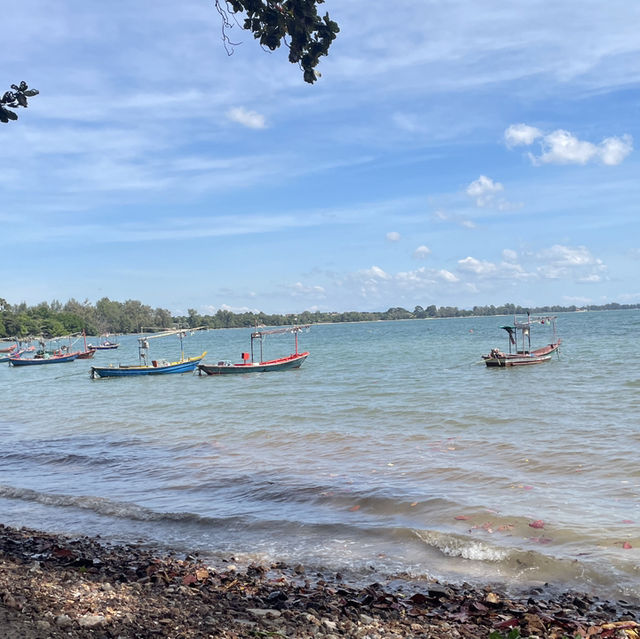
pixel 298 289
pixel 562 147
pixel 566 261
pixel 375 272
pixel 472 265
pixel 518 134
pixel 568 256
pixel 447 276
pixel 393 236
pixel 484 190
pixel 422 252
pixel 614 150
pixel 484 269
pixel 443 216
pixel 250 119
pixel 509 255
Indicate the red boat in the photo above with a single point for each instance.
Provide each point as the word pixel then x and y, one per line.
pixel 247 365
pixel 89 351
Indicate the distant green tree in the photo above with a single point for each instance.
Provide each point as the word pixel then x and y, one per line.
pixel 51 327
pixel 162 318
pixel 194 318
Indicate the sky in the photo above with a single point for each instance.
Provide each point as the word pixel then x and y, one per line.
pixel 458 153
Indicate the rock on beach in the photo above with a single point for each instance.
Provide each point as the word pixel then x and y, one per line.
pixel 55 587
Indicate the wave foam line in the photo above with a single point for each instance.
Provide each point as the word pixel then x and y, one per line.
pixel 99 505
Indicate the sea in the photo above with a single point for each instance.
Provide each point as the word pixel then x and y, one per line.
pixel 392 453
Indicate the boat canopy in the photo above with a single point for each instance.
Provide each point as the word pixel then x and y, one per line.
pixel 286 329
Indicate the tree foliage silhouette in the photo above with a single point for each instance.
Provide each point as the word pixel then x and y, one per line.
pixel 295 23
pixel 18 97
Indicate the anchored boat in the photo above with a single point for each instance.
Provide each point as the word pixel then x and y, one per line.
pixel 520 353
pixel 153 367
pixel 248 365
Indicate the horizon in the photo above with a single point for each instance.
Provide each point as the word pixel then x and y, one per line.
pixel 456 155
pixel 519 309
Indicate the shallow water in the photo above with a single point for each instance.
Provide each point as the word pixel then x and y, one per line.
pixel 392 449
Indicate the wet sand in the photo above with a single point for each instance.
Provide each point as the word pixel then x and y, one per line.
pixel 52 586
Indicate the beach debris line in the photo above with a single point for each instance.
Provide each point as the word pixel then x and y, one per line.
pixel 54 586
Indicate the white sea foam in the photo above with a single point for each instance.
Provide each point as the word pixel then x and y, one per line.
pixel 454 546
pixel 99 505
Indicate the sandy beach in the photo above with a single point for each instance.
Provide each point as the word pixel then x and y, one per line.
pixel 53 586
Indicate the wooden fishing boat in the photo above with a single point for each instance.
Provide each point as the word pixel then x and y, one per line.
pixel 43 359
pixel 520 353
pixel 248 365
pixel 104 345
pixel 89 351
pixel 5 357
pixel 153 367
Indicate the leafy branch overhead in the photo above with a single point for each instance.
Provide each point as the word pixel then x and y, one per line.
pixel 295 23
pixel 14 99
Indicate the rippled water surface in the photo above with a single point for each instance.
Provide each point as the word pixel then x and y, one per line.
pixel 392 449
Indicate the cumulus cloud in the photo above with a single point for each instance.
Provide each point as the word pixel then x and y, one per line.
pixel 614 150
pixel 471 264
pixel 447 276
pixel 565 261
pixel 422 252
pixel 393 236
pixel 375 272
pixel 250 119
pixel 485 192
pixel 568 255
pixel 518 134
pixel 483 269
pixel 562 147
pixel 554 263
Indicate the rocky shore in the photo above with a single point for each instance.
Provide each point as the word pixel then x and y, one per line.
pixel 53 586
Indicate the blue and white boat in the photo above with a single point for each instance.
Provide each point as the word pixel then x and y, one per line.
pixel 153 367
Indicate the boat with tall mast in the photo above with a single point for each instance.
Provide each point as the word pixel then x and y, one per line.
pixel 155 366
pixel 519 344
pixel 248 365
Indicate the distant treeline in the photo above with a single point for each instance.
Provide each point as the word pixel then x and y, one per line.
pixel 107 316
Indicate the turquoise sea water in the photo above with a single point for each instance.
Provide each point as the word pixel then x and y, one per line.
pixel 392 450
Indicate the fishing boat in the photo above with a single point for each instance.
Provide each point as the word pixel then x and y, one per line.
pixel 104 345
pixel 8 349
pixel 248 365
pixel 5 357
pixel 520 353
pixel 151 367
pixel 89 351
pixel 46 358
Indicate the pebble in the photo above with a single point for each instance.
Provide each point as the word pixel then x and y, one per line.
pixel 133 592
pixel 91 621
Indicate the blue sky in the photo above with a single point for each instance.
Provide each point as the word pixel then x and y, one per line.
pixel 452 153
